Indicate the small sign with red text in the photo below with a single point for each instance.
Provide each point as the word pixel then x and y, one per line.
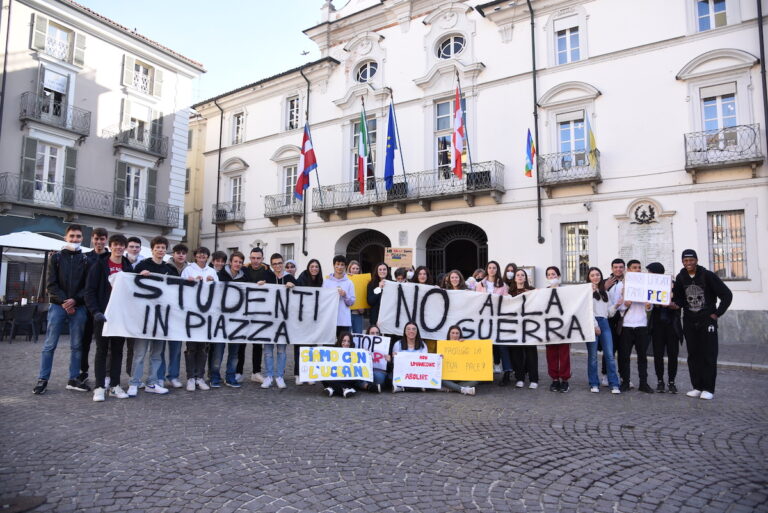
pixel 418 370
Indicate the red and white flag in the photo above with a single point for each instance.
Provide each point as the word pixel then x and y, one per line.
pixel 458 136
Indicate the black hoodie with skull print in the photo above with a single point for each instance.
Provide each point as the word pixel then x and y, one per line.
pixel 698 295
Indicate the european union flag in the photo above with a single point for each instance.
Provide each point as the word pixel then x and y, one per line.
pixel 389 158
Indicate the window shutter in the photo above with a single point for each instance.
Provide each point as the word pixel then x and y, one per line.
pixel 28 159
pixel 126 122
pixel 157 83
pixel 151 193
pixel 39 32
pixel 70 167
pixel 121 169
pixel 128 65
pixel 78 55
pixel 156 131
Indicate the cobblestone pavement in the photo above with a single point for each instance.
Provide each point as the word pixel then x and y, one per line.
pixel 232 450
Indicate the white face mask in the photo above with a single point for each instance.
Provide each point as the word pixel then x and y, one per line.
pixel 553 282
pixel 409 275
pixel 510 275
pixel 72 246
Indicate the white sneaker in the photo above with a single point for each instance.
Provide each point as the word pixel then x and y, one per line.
pixel 175 383
pixel 133 390
pixel 694 393
pixel 297 381
pixel 707 396
pixel 280 382
pixel 397 389
pixel 328 391
pixel 266 383
pixel 468 390
pixel 519 384
pixel 615 390
pixel 118 392
pixel 106 383
pixel 239 378
pixel 257 377
pixel 533 385
pixel 156 389
pixel 191 385
pixel 98 395
pixel 347 392
pixel 595 390
pixel 497 368
pixel 604 381
pixel 631 385
pixel 201 384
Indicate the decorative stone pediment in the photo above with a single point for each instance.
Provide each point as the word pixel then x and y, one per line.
pixel 467 73
pixel 355 92
pixel 569 92
pixel 644 211
pixel 286 152
pixel 717 61
pixel 234 165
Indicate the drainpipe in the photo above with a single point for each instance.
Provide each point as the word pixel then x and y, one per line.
pixel 304 217
pixel 218 175
pixel 536 119
pixel 5 63
pixel 762 68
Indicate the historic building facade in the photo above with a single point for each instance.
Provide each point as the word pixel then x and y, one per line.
pixel 651 139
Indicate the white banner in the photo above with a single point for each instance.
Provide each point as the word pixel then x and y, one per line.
pixel 334 364
pixel 169 308
pixel 648 288
pixel 377 345
pixel 542 316
pixel 418 370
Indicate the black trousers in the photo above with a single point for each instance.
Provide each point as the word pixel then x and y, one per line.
pixel 525 360
pixel 88 331
pixel 109 350
pixel 255 357
pixel 637 338
pixel 128 356
pixel 701 338
pixel 195 357
pixel 665 340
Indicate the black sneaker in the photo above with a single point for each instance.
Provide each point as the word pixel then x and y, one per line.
pixel 555 386
pixel 74 384
pixel 504 380
pixel 672 388
pixel 660 387
pixel 39 389
pixel 624 386
pixel 564 387
pixel 644 387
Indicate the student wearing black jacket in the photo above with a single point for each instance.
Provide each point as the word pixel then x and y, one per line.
pixel 697 291
pixel 666 332
pixel 375 288
pixel 311 277
pixel 256 272
pixel 99 252
pixel 97 292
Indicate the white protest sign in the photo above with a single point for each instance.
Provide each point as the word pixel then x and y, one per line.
pixel 648 288
pixel 418 370
pixel 169 308
pixel 542 316
pixel 334 364
pixel 377 345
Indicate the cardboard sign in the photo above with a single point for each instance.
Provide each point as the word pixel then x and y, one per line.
pixel 377 345
pixel 539 317
pixel 466 360
pixel 334 364
pixel 360 282
pixel 398 257
pixel 418 370
pixel 648 288
pixel 162 307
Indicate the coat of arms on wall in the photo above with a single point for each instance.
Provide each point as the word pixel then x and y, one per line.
pixel 644 213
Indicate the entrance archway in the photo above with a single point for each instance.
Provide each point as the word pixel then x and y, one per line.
pixel 461 246
pixel 368 249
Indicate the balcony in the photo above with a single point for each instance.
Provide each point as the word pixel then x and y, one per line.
pixel 58 48
pixel 485 178
pixel 229 212
pixel 142 140
pixel 74 200
pixel 728 147
pixel 282 205
pixel 569 168
pixel 45 110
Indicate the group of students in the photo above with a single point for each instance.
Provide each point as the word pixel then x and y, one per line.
pixel 79 288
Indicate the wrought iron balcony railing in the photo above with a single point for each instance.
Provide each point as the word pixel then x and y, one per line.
pixel 82 200
pixel 281 205
pixel 142 83
pixel 483 178
pixel 229 212
pixel 58 48
pixel 60 115
pixel 569 168
pixel 142 140
pixel 727 147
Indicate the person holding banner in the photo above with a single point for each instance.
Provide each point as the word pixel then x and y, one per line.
pixel 558 355
pixel 276 373
pixel 665 329
pixel 423 276
pixel 196 353
pixel 312 276
pixel 344 388
pixel 233 271
pixel 379 375
pixel 509 275
pixel 634 333
pixel 454 280
pixel 614 285
pixel 410 343
pixel 525 360
pixel 256 272
pixel 170 373
pixel 356 315
pixel 343 285
pixel 603 310
pixel 375 288
pixel 462 387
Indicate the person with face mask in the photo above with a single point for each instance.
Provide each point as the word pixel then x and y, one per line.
pixel 509 275
pixel 558 355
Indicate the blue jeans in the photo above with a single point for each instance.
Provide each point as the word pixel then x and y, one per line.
pixel 174 362
pixel 506 360
pixel 215 356
pixel 57 316
pixel 232 353
pixel 140 348
pixel 379 377
pixel 607 344
pixel 357 323
pixel 269 360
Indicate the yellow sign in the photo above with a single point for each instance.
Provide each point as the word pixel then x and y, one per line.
pixel 360 281
pixel 466 360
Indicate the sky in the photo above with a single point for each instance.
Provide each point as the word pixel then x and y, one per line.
pixel 238 41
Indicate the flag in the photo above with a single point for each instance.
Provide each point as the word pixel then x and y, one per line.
pixel 530 154
pixel 458 136
pixel 362 152
pixel 591 146
pixel 389 159
pixel 307 163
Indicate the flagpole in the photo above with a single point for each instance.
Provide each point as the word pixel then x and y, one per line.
pixel 397 132
pixel 368 144
pixel 464 121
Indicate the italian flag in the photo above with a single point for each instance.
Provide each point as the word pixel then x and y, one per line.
pixel 362 153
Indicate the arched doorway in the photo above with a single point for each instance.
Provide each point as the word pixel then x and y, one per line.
pixel 461 246
pixel 368 249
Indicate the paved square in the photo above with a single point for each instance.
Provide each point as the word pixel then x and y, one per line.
pixel 248 449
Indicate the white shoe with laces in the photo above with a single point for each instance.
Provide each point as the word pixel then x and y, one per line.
pixel 707 396
pixel 99 395
pixel 615 390
pixel 191 385
pixel 280 382
pixel 694 393
pixel 133 390
pixel 201 384
pixel 533 385
pixel 155 389
pixel 595 390
pixel 118 392
pixel 258 377
pixel 468 390
pixel 175 383
pixel 267 382
pixel 519 384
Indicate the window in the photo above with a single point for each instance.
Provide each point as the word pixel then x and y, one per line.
pixel 571 135
pixel 58 42
pixel 568 45
pixel 444 134
pixel 238 128
pixel 371 150
pixel 289 183
pixel 718 110
pixel 574 244
pixel 141 77
pixel 287 251
pixel 727 244
pixel 135 191
pixel 186 227
pixel 235 190
pixel 710 14
pixel 54 93
pixel 49 171
pixel 138 129
pixel 187 179
pixel 232 250
pixel 293 114
pixel 189 139
pixel 366 71
pixel 450 47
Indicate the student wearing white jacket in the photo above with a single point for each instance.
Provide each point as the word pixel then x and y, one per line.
pixel 196 353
